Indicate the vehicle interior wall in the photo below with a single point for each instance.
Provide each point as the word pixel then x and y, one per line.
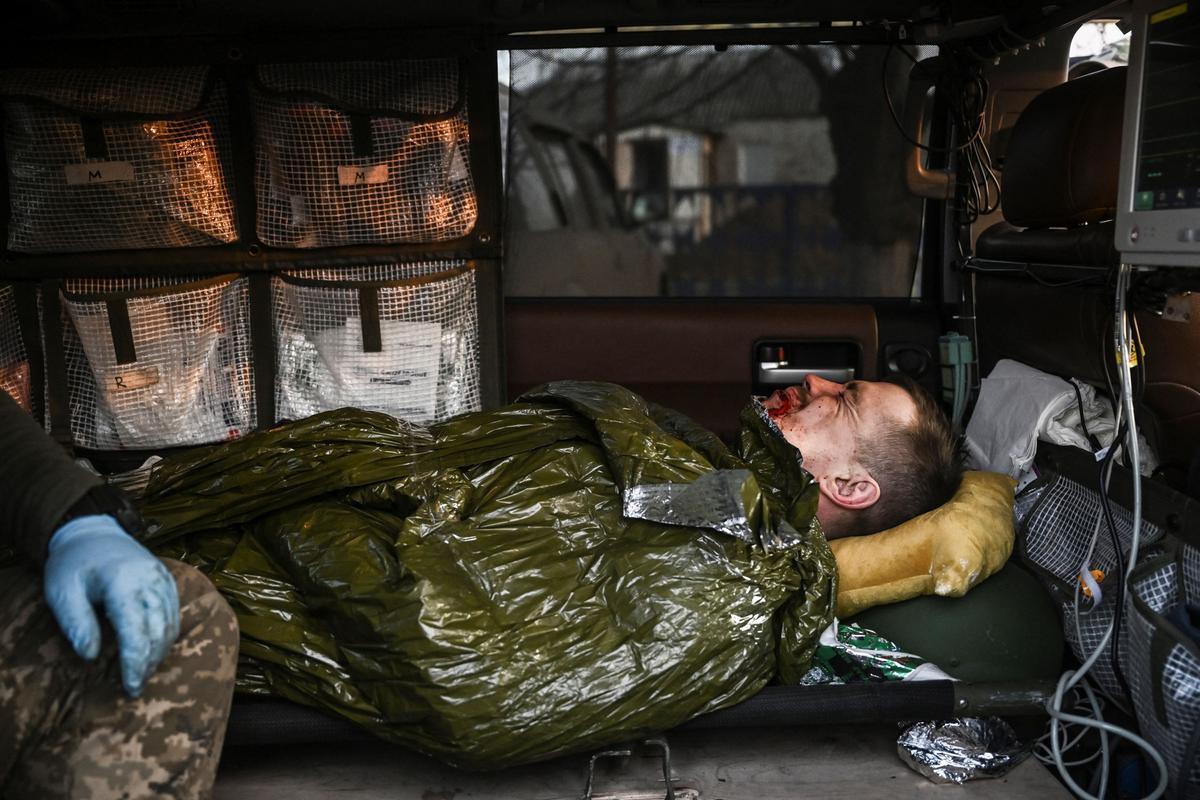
pixel 699 354
pixel 251 258
pixel 695 354
pixel 1060 321
pixel 906 328
pixel 730 282
pixel 693 357
pixel 1014 79
pixel 1066 330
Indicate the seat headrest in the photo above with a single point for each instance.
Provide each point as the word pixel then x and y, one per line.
pixel 1064 156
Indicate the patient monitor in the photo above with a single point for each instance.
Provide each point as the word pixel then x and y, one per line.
pixel 1158 207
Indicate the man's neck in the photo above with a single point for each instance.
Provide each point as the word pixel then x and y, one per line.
pixel 835 521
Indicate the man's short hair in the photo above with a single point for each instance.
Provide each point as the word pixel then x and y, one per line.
pixel 918 466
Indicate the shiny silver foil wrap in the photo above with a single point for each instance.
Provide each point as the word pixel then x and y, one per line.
pixel 716 501
pixel 960 750
pixel 720 501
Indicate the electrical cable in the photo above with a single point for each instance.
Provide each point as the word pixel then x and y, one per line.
pixel 966 99
pixel 965 91
pixel 1092 440
pixel 976 131
pixel 1105 477
pixel 1073 678
pixel 1051 284
pixel 1140 352
pixel 1112 393
pixel 1118 553
pixel 1041 749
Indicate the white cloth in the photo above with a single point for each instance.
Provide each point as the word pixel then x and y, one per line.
pixel 1018 405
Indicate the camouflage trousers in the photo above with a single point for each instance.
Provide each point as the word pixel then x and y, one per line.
pixel 67 730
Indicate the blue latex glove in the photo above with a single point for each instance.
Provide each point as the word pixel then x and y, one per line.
pixel 94 562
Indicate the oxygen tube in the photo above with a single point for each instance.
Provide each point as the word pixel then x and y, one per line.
pixel 1073 680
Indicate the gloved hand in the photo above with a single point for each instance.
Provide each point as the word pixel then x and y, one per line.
pixel 94 562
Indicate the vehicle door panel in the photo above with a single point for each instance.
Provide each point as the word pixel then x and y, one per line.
pixel 695 357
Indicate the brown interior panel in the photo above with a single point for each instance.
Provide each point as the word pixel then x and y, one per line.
pixel 694 357
pixel 1057 330
pixel 1067 331
pixel 1173 380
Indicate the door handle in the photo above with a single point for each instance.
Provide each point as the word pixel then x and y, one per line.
pixel 785 363
pixel 790 375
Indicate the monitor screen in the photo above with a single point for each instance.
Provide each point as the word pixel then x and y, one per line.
pixel 1158 214
pixel 1168 166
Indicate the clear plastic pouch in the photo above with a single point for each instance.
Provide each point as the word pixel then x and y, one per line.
pixel 362 152
pixel 158 367
pixel 1163 662
pixel 1057 520
pixel 117 158
pixel 14 360
pixel 398 338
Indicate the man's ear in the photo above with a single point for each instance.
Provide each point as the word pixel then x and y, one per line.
pixel 853 492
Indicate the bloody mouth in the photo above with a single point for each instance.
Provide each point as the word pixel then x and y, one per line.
pixel 786 404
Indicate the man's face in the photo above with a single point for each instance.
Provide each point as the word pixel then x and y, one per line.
pixel 827 420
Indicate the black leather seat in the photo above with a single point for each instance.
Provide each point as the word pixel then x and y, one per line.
pixel 1059 185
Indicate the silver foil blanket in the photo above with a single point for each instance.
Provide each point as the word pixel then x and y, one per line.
pixel 716 501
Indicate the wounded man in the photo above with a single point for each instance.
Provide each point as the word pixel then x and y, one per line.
pixel 578 568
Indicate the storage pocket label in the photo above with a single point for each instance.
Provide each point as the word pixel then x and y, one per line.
pixel 98 172
pixel 352 175
pixel 136 378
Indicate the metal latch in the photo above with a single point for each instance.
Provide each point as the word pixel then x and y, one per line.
pixel 673 792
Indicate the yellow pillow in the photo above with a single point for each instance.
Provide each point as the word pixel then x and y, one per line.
pixel 945 551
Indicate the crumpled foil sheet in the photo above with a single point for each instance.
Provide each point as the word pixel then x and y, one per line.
pixel 960 750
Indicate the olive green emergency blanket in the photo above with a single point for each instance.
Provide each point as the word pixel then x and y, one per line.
pixel 494 590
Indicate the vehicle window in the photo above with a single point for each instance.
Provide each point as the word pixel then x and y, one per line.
pixel 563 168
pixel 753 171
pixel 1097 45
pixel 598 180
pixel 532 205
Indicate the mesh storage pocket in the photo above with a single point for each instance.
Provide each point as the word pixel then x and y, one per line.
pixel 362 152
pixel 1057 523
pixel 1164 663
pixel 158 366
pixel 14 360
pixel 401 339
pixel 117 158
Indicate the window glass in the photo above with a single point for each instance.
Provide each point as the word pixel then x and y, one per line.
pixel 531 204
pixel 1097 45
pixel 598 180
pixel 563 168
pixel 753 171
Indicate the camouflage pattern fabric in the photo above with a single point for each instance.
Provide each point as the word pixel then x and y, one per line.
pixel 68 729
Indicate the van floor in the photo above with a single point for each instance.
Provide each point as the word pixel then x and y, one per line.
pixel 852 762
